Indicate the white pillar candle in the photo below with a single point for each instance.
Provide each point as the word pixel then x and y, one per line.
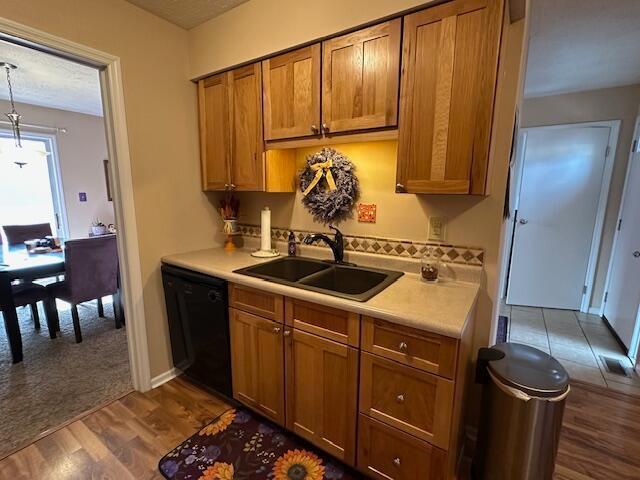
pixel 265 230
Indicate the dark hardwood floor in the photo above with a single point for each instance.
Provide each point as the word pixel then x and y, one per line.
pixel 125 440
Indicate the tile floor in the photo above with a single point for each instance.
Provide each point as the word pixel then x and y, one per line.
pixel 576 339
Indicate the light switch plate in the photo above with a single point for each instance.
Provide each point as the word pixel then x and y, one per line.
pixel 437 228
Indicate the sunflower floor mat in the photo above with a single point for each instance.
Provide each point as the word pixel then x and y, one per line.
pixel 240 445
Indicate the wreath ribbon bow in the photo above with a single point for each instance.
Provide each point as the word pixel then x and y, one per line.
pixel 321 168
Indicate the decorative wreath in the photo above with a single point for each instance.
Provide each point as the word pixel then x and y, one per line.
pixel 330 199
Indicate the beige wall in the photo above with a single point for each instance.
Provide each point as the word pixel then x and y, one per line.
pixel 261 27
pixel 172 214
pixel 619 103
pixel 81 151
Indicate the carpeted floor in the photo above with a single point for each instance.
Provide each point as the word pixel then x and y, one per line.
pixel 59 379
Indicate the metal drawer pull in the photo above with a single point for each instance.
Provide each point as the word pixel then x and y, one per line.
pixel 403 347
pixel 396 461
pixel 400 398
pixel 276 329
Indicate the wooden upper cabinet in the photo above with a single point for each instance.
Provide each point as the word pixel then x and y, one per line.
pixel 449 68
pixel 360 72
pixel 213 97
pixel 291 94
pixel 247 165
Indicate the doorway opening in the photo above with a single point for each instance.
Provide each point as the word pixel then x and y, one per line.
pixel 567 174
pixel 82 371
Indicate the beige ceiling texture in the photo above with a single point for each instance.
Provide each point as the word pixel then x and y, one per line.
pixel 187 13
pixel 579 45
pixel 50 81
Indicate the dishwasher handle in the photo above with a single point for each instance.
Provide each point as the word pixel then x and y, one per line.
pixel 215 295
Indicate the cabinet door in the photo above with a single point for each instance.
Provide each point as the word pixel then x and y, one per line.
pixel 213 102
pixel 322 383
pixel 257 363
pixel 360 74
pixel 291 94
pixel 247 162
pixel 449 60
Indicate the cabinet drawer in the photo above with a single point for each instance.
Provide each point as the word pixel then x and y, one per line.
pixel 327 322
pixel 387 453
pixel 267 305
pixel 414 401
pixel 426 351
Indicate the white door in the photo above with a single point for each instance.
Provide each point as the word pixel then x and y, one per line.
pixel 623 291
pixel 562 177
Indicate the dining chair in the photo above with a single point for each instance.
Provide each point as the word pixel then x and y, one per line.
pixel 29 293
pixel 20 233
pixel 91 272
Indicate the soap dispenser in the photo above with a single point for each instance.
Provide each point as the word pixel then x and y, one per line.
pixel 292 244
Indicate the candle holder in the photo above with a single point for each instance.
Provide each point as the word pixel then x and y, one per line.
pixel 230 229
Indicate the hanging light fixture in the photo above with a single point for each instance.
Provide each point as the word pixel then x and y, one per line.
pixel 13 115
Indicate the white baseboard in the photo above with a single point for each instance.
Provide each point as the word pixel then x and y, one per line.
pixel 594 310
pixel 164 377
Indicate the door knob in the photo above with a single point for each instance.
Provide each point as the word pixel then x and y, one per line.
pixel 396 461
pixel 276 329
pixel 400 398
pixel 403 347
pixel 400 188
pixel 287 333
pixel 523 221
pixel 314 129
pixel 636 254
pixel 325 128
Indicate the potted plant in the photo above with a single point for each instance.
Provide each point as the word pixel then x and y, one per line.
pixel 98 228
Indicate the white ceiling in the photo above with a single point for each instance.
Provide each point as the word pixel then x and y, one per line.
pixel 187 13
pixel 49 81
pixel 578 45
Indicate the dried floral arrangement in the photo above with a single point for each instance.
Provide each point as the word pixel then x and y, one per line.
pixel 329 186
pixel 229 207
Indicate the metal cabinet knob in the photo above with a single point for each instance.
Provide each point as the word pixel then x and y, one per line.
pixel 232 186
pixel 226 186
pixel 400 188
pixel 403 347
pixel 287 333
pixel 523 221
pixel 325 128
pixel 314 129
pixel 400 398
pixel 396 461
pixel 276 329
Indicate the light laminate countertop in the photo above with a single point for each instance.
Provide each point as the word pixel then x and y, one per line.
pixel 442 307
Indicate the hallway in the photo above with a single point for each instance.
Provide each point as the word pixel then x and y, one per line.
pixel 577 340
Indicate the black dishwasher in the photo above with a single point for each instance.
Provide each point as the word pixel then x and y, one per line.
pixel 199 327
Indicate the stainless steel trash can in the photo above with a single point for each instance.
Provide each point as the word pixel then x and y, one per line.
pixel 522 406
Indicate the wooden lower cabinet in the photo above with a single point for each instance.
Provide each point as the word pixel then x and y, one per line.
pixel 409 399
pixel 387 453
pixel 322 385
pixel 257 363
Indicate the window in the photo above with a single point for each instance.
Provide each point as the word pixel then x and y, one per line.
pixel 30 190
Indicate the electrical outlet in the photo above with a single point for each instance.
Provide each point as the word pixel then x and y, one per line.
pixel 436 228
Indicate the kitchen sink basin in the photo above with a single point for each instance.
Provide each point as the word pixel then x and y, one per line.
pixel 290 269
pixel 351 282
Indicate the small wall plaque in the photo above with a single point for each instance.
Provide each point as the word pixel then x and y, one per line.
pixel 367 212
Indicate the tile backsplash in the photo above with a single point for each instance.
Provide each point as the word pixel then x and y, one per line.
pixel 382 246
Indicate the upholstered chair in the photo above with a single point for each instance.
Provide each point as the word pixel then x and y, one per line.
pixel 91 272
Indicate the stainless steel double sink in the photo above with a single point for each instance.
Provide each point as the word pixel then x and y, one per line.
pixel 346 281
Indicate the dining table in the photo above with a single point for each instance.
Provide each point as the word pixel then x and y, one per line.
pixel 18 264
